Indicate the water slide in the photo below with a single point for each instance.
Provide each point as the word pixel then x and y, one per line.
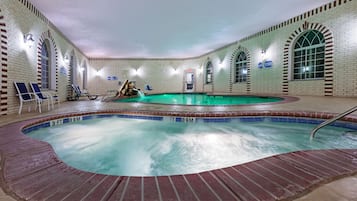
pixel 123 88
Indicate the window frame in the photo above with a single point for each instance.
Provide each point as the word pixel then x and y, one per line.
pixel 45 65
pixel 209 73
pixel 308 57
pixel 241 68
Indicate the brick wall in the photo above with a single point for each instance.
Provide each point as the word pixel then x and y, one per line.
pixel 336 20
pixel 21 63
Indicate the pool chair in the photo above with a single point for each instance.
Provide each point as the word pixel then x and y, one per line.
pixel 44 96
pixel 148 88
pixel 40 97
pixel 79 93
pixel 25 96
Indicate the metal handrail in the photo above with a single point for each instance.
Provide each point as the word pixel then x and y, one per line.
pixel 327 122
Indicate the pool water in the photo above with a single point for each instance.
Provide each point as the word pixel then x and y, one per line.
pixel 200 99
pixel 137 147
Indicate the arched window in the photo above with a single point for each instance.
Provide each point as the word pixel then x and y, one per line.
pixel 45 65
pixel 309 56
pixel 209 72
pixel 241 67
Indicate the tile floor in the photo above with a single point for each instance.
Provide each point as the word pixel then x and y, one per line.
pixel 342 189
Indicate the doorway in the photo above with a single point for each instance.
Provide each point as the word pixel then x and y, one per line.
pixel 189 81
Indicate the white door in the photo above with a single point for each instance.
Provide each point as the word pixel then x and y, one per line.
pixel 189 81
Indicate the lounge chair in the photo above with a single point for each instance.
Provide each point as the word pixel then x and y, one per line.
pixel 148 88
pixel 43 96
pixel 25 96
pixel 79 93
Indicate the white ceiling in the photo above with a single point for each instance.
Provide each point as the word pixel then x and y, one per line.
pixel 164 28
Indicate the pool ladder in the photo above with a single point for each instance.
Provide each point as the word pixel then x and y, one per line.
pixel 329 121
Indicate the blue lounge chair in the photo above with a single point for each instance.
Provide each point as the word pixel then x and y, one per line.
pixel 79 93
pixel 42 96
pixel 148 88
pixel 25 96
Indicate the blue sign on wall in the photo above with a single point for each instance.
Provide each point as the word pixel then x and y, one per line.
pixel 268 64
pixel 265 64
pixel 112 77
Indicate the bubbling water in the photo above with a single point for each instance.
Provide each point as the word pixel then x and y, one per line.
pixel 132 147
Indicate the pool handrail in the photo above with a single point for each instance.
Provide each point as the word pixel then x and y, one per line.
pixel 329 121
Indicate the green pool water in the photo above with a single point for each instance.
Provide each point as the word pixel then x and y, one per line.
pixel 200 99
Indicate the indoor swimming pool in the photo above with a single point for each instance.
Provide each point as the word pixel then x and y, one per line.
pixel 165 145
pixel 200 99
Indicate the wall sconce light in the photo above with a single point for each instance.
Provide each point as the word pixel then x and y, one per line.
pixel 263 52
pixel 220 65
pixel 66 59
pixel 28 40
pixel 200 70
pixel 97 73
pixel 136 72
pixel 174 70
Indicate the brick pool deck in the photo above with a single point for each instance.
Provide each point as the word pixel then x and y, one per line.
pixel 30 170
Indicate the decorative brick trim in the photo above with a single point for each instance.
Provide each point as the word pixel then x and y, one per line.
pixel 298 18
pixel 329 47
pixel 47 35
pixel 3 67
pixel 34 10
pixel 232 74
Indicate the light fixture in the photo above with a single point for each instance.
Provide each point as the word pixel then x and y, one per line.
pixel 97 73
pixel 174 70
pixel 28 39
pixel 263 52
pixel 136 71
pixel 66 59
pixel 200 70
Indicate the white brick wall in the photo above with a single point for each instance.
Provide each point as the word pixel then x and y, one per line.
pixel 23 61
pixel 341 20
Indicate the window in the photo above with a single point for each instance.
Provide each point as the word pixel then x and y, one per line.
pixel 309 56
pixel 45 66
pixel 84 71
pixel 209 72
pixel 241 70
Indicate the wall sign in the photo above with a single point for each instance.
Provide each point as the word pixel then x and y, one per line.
pixel 265 64
pixel 112 77
pixel 268 64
